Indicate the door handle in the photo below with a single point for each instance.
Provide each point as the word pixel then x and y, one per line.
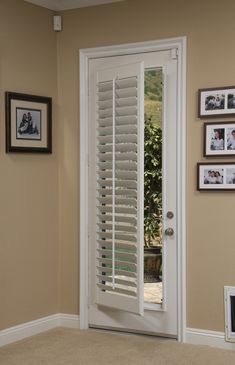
pixel 169 232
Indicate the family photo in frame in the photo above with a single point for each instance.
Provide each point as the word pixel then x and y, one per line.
pixel 216 102
pixel 216 176
pixel 219 139
pixel 28 123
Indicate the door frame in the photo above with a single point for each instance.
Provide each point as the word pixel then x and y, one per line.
pixel 178 46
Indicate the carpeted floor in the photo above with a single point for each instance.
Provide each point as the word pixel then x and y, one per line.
pixel 74 347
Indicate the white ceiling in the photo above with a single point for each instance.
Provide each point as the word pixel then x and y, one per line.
pixel 59 5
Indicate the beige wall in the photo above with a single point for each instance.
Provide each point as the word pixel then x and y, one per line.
pixel 209 27
pixel 39 232
pixel 28 182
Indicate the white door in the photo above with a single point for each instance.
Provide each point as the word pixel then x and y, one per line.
pixel 119 297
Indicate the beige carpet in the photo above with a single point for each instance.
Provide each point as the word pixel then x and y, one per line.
pixel 74 347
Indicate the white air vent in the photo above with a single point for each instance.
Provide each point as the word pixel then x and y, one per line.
pixel 229 301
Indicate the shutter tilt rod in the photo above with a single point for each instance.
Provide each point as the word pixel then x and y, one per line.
pixel 113 193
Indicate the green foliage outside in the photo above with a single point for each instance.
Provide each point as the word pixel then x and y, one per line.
pixel 152 183
pixel 153 158
pixel 153 85
pixel 153 95
pixel 153 110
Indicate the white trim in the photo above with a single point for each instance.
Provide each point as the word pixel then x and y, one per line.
pixel 134 48
pixel 68 320
pixel 17 333
pixel 69 4
pixel 126 49
pixel 32 328
pixel 83 191
pixel 181 182
pixel 197 336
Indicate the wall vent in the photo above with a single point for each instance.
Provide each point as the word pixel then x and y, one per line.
pixel 229 305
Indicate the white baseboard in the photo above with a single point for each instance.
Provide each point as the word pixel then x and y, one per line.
pixel 69 320
pixel 210 338
pixel 32 328
pixel 193 335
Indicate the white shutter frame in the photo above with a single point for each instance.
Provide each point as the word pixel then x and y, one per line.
pixel 127 87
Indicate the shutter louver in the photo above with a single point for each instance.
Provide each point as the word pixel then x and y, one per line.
pixel 119 202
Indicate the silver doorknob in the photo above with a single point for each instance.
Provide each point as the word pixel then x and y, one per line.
pixel 169 232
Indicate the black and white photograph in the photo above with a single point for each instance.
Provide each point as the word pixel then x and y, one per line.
pixel 216 102
pixel 213 176
pixel 216 176
pixel 230 177
pixel 231 101
pixel 28 123
pixel 231 139
pixel 219 139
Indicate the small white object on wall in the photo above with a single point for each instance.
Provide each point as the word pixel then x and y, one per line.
pixel 57 23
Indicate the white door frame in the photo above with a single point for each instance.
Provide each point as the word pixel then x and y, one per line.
pixel 178 44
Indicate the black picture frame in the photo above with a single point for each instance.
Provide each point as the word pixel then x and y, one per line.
pixel 28 123
pixel 226 176
pixel 216 102
pixel 219 139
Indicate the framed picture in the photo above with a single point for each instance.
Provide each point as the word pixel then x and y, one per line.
pixel 28 123
pixel 219 139
pixel 218 101
pixel 216 176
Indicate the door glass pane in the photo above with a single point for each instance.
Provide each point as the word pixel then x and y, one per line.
pixel 153 186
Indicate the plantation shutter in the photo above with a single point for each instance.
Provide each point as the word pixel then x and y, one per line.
pixel 120 196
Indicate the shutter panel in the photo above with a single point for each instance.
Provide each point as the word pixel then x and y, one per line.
pixel 120 174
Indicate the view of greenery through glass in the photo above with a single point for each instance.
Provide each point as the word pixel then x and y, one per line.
pixel 153 185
